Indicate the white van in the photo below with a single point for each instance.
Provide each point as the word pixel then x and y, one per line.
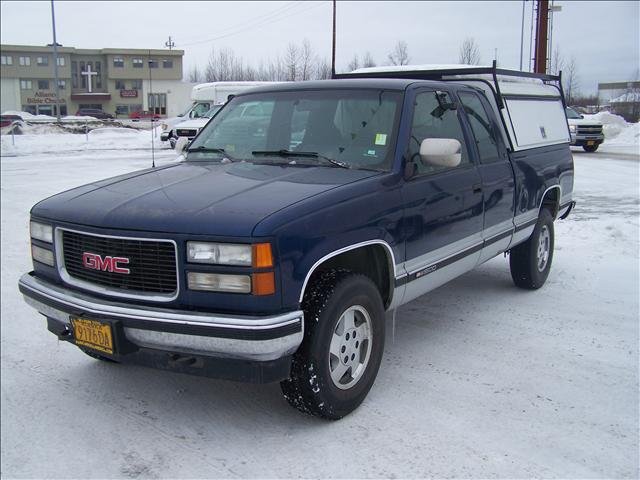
pixel 204 96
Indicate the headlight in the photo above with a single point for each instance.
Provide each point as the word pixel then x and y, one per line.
pixel 219 253
pixel 41 231
pixel 572 128
pixel 42 255
pixel 164 126
pixel 216 282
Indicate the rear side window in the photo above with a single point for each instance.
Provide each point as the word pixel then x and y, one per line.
pixel 483 131
pixel 431 121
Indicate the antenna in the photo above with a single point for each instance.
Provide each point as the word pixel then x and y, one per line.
pixel 149 98
pixel 169 44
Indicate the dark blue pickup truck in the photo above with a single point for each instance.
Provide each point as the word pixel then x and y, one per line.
pixel 274 248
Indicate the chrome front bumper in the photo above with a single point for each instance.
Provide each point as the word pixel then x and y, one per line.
pixel 201 333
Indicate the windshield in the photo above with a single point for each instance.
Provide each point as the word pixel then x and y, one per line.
pixel 571 113
pixel 212 111
pixel 346 128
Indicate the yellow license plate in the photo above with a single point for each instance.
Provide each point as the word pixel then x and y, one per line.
pixel 590 142
pixel 93 334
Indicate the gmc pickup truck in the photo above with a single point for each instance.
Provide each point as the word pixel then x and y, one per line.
pixel 585 133
pixel 276 248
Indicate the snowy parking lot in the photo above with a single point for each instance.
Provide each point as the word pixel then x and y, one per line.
pixel 479 378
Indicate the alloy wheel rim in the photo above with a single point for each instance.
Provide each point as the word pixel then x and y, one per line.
pixel 544 248
pixel 350 347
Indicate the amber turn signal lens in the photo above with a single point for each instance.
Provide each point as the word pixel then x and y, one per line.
pixel 262 257
pixel 264 284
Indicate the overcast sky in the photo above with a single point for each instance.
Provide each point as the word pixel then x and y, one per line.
pixel 603 36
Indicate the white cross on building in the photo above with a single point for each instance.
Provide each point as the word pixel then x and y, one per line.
pixel 89 74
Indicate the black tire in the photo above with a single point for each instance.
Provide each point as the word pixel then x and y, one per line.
pixel 310 387
pixel 524 259
pixel 590 148
pixel 97 356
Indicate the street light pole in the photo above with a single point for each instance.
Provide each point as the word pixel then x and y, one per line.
pixel 55 62
pixel 522 34
pixel 333 44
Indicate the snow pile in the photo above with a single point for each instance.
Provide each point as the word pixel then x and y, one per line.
pixel 29 116
pixel 616 129
pixel 48 140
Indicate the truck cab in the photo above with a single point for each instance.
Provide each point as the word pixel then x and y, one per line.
pixel 278 247
pixel 585 133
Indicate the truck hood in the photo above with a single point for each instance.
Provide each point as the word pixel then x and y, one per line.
pixel 193 197
pixel 583 121
pixel 195 123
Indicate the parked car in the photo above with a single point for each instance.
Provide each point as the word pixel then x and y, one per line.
pixel 585 133
pixel 94 112
pixel 143 114
pixel 274 251
pixel 6 120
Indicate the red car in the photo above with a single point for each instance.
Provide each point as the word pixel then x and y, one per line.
pixel 144 114
pixel 6 120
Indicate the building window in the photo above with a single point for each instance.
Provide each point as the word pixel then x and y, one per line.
pixel 118 62
pixel 137 63
pixel 7 60
pixel 157 103
pixel 61 61
pixel 120 85
pixel 62 84
pixel 74 74
pixel 43 84
pixel 167 63
pixel 98 83
pixel 25 61
pixel 153 63
pixel 25 84
pixel 136 84
pixel 135 108
pixel 42 61
pixel 122 109
pixel 83 78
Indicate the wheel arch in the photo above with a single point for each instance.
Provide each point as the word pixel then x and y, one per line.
pixel 551 200
pixel 373 258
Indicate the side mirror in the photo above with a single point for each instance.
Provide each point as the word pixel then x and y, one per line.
pixel 581 116
pixel 181 114
pixel 441 152
pixel 181 144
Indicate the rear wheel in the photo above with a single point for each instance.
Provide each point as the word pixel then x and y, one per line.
pixel 337 363
pixel 590 148
pixel 530 261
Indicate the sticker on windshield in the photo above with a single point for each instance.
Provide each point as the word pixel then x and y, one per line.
pixel 230 148
pixel 371 153
pixel 381 139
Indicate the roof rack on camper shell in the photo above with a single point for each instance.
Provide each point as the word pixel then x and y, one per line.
pixel 525 102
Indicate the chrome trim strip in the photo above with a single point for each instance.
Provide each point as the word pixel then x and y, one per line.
pixel 62 271
pixel 87 304
pixel 416 264
pixel 390 258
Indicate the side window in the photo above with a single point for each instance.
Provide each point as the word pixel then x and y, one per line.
pixel 483 131
pixel 431 121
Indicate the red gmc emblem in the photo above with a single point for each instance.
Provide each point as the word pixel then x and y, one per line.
pixel 94 261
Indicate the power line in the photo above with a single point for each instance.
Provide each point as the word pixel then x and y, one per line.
pixel 260 25
pixel 248 23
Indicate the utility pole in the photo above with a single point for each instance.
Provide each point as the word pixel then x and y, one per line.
pixel 542 28
pixel 149 98
pixel 169 43
pixel 522 34
pixel 333 45
pixel 55 62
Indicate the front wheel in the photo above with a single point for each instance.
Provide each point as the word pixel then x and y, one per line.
pixel 590 148
pixel 337 363
pixel 530 261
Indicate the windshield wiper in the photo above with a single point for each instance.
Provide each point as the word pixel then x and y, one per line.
pixel 203 149
pixel 290 153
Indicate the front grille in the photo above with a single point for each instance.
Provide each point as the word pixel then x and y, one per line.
pixel 152 263
pixel 589 129
pixel 186 132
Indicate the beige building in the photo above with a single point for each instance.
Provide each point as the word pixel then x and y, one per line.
pixel 117 81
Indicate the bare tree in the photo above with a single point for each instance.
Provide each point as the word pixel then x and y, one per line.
pixel 354 64
pixel 400 54
pixel 557 61
pixel 469 52
pixel 571 80
pixel 194 74
pixel 323 69
pixel 368 61
pixel 292 62
pixel 306 60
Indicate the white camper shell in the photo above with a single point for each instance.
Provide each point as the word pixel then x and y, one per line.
pixel 531 106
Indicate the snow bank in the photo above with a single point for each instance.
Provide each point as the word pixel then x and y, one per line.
pixel 29 117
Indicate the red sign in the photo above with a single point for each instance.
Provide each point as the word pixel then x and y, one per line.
pixel 128 93
pixel 106 264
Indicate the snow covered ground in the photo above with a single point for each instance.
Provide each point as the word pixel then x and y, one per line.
pixel 481 379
